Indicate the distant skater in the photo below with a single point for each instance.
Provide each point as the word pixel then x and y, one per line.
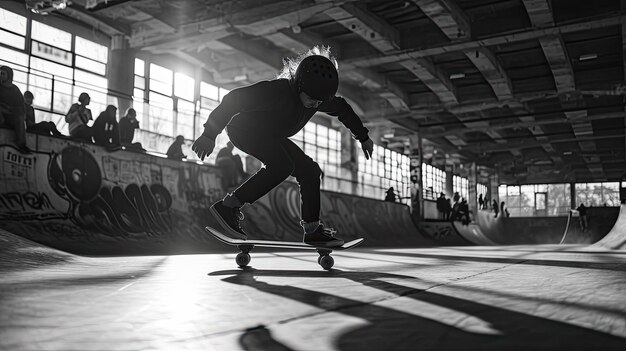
pixel 582 217
pixel 259 120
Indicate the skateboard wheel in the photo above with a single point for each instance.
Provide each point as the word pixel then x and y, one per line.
pixel 242 259
pixel 326 262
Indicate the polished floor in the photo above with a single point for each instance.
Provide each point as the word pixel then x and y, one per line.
pixel 470 298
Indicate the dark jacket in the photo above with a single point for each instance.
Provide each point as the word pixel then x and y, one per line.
pixel 127 129
pixel 106 130
pixel 273 108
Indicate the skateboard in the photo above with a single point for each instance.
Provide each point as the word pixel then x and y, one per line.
pixel 245 246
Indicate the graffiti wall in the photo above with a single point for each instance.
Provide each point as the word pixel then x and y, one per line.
pixel 84 199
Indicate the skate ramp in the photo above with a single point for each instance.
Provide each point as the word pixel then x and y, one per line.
pixel 521 231
pixel 616 238
pixel 600 221
pixel 83 199
pixel 472 233
pixel 442 232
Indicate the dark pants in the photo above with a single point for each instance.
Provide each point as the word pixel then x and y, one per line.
pixel 281 158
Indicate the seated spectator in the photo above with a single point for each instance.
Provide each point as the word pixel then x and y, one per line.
pixel 128 124
pixel 106 130
pixel 45 127
pixel 78 118
pixel 231 165
pixel 175 151
pixel 12 112
pixel 391 195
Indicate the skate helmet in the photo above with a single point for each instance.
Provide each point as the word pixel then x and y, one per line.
pixel 317 77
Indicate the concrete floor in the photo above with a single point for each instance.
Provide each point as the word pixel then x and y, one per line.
pixel 482 298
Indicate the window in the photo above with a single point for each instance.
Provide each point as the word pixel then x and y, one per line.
pixel 522 200
pixel 460 185
pixel 376 175
pixel 598 194
pixel 433 181
pixel 161 80
pixel 12 29
pixel 184 86
pixel 52 36
pixel 481 189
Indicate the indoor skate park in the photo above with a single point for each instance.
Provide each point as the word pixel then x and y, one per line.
pixel 500 126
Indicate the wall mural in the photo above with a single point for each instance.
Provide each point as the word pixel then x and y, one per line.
pixel 82 198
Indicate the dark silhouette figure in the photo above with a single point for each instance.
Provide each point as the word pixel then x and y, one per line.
pixel 106 131
pixel 45 127
pixel 78 118
pixel 128 124
pixel 481 202
pixel 582 217
pixel 442 206
pixel 260 119
pixel 496 208
pixel 175 151
pixel 12 112
pixel 463 212
pixel 504 210
pixel 390 195
pixel 231 166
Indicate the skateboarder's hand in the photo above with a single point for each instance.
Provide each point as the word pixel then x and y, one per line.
pixel 368 148
pixel 203 146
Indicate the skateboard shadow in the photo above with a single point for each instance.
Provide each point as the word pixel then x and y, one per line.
pixel 409 329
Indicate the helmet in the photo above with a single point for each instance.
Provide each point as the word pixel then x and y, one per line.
pixel 317 77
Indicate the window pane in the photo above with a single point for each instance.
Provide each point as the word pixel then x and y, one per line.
pixel 51 53
pixel 12 57
pixel 209 90
pixel 161 79
pixel 184 86
pixel 91 65
pixel 91 79
pixel 13 22
pixel 12 39
pixel 51 35
pixel 92 50
pixel 139 67
pixel 45 66
pixel 140 82
pixel 223 93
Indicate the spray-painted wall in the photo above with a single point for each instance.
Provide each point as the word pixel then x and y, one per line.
pixel 82 198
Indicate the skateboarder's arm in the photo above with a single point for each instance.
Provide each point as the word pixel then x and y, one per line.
pixel 340 108
pixel 248 98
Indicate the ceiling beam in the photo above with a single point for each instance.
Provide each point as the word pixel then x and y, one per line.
pixel 502 39
pixel 385 38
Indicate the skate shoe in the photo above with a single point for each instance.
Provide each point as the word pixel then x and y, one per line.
pixel 323 237
pixel 229 219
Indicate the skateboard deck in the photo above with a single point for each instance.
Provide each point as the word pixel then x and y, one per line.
pixel 245 246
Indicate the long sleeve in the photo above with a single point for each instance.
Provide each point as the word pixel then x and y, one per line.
pixel 340 108
pixel 249 98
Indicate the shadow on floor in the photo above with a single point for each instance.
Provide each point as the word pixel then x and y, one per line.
pixel 392 329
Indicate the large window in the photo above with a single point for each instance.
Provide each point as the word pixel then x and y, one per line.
pixel 434 181
pixel 385 169
pixel 536 199
pixel 598 194
pixel 56 66
pixel 481 189
pixel 323 144
pixel 460 185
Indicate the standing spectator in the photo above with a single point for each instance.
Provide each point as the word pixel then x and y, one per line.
pixel 463 212
pixel 481 202
pixel 442 205
pixel 448 209
pixel 78 116
pixel 106 130
pixel 582 216
pixel 231 166
pixel 391 195
pixel 12 112
pixel 128 124
pixel 504 210
pixel 486 202
pixel 175 151
pixel 495 206
pixel 45 127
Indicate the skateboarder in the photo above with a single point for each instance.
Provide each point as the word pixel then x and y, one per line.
pixel 259 120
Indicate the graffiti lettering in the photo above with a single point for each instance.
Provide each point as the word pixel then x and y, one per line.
pixel 25 201
pixel 19 159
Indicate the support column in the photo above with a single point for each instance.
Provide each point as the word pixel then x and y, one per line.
pixel 415 167
pixel 121 70
pixel 572 195
pixel 449 181
pixel 494 183
pixel 472 181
